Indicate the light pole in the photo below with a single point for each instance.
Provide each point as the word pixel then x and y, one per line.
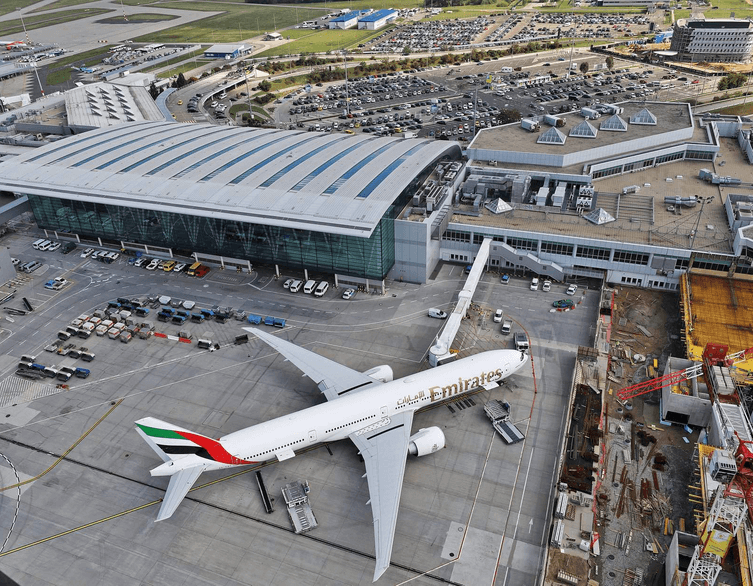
pixel 347 91
pixel 248 97
pixel 28 42
pixel 745 98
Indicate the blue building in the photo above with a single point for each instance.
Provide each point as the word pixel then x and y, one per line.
pixel 225 51
pixel 377 20
pixel 347 20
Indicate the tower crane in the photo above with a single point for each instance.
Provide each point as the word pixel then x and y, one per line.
pixel 727 512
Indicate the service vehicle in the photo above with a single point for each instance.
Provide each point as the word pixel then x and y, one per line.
pixel 521 341
pixel 572 289
pixel 535 284
pixel 547 286
pixel 348 293
pixel 437 313
pixel 498 316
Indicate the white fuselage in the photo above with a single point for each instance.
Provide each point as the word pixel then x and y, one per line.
pixel 368 409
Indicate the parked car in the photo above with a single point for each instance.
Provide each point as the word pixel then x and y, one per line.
pixel 563 303
pixel 506 327
pixel 288 283
pixel 153 264
pixel 54 246
pixel 535 284
pixel 571 289
pixel 348 293
pixel 547 286
pixel 56 284
pixel 437 313
pixel 505 279
pixel 498 316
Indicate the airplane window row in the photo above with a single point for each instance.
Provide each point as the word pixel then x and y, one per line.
pixel 275 449
pixel 351 423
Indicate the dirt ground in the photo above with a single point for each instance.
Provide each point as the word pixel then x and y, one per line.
pixel 648 466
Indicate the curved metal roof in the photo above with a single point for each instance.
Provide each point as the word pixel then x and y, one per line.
pixel 336 183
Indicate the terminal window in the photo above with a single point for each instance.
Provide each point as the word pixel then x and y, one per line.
pixel 522 243
pixel 457 236
pixel 633 258
pixel 593 252
pixel 557 248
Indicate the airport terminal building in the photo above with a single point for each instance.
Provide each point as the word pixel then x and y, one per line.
pixel 300 200
pixel 615 196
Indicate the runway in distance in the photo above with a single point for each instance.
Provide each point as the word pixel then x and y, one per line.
pixel 370 408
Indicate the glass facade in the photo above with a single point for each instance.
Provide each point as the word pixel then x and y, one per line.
pixel 369 258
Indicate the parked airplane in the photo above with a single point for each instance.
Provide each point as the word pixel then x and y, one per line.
pixel 370 408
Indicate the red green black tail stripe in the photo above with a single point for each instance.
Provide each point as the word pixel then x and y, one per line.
pixel 190 443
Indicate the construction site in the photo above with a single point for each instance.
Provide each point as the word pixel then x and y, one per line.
pixel 656 475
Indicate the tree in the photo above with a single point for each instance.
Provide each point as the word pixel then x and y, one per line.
pixel 584 67
pixel 506 116
pixel 181 81
pixel 610 62
pixel 265 86
pixel 732 81
pixel 153 91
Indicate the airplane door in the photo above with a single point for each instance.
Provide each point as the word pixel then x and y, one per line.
pixel 312 435
pixel 384 411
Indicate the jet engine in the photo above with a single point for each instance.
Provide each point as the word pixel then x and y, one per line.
pixel 426 441
pixel 381 373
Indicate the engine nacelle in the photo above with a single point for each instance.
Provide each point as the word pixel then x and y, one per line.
pixel 426 441
pixel 381 373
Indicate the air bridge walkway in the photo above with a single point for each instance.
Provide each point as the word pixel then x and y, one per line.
pixel 439 353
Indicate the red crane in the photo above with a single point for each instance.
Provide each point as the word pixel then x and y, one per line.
pixel 712 354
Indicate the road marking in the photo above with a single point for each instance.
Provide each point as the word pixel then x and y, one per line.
pixel 18 390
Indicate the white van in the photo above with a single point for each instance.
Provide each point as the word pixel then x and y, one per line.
pixel 37 243
pixel 295 286
pixel 309 286
pixel 45 245
pixel 321 289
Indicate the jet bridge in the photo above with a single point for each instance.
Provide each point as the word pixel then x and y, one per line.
pixel 439 353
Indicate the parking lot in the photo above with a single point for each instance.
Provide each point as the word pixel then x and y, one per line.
pixel 494 495
pixel 503 30
pixel 452 101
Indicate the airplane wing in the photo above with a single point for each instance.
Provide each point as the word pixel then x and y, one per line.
pixel 384 451
pixel 334 380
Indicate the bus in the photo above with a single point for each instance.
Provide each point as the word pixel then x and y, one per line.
pixel 191 272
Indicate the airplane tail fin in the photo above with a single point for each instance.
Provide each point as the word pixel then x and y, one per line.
pixel 185 455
